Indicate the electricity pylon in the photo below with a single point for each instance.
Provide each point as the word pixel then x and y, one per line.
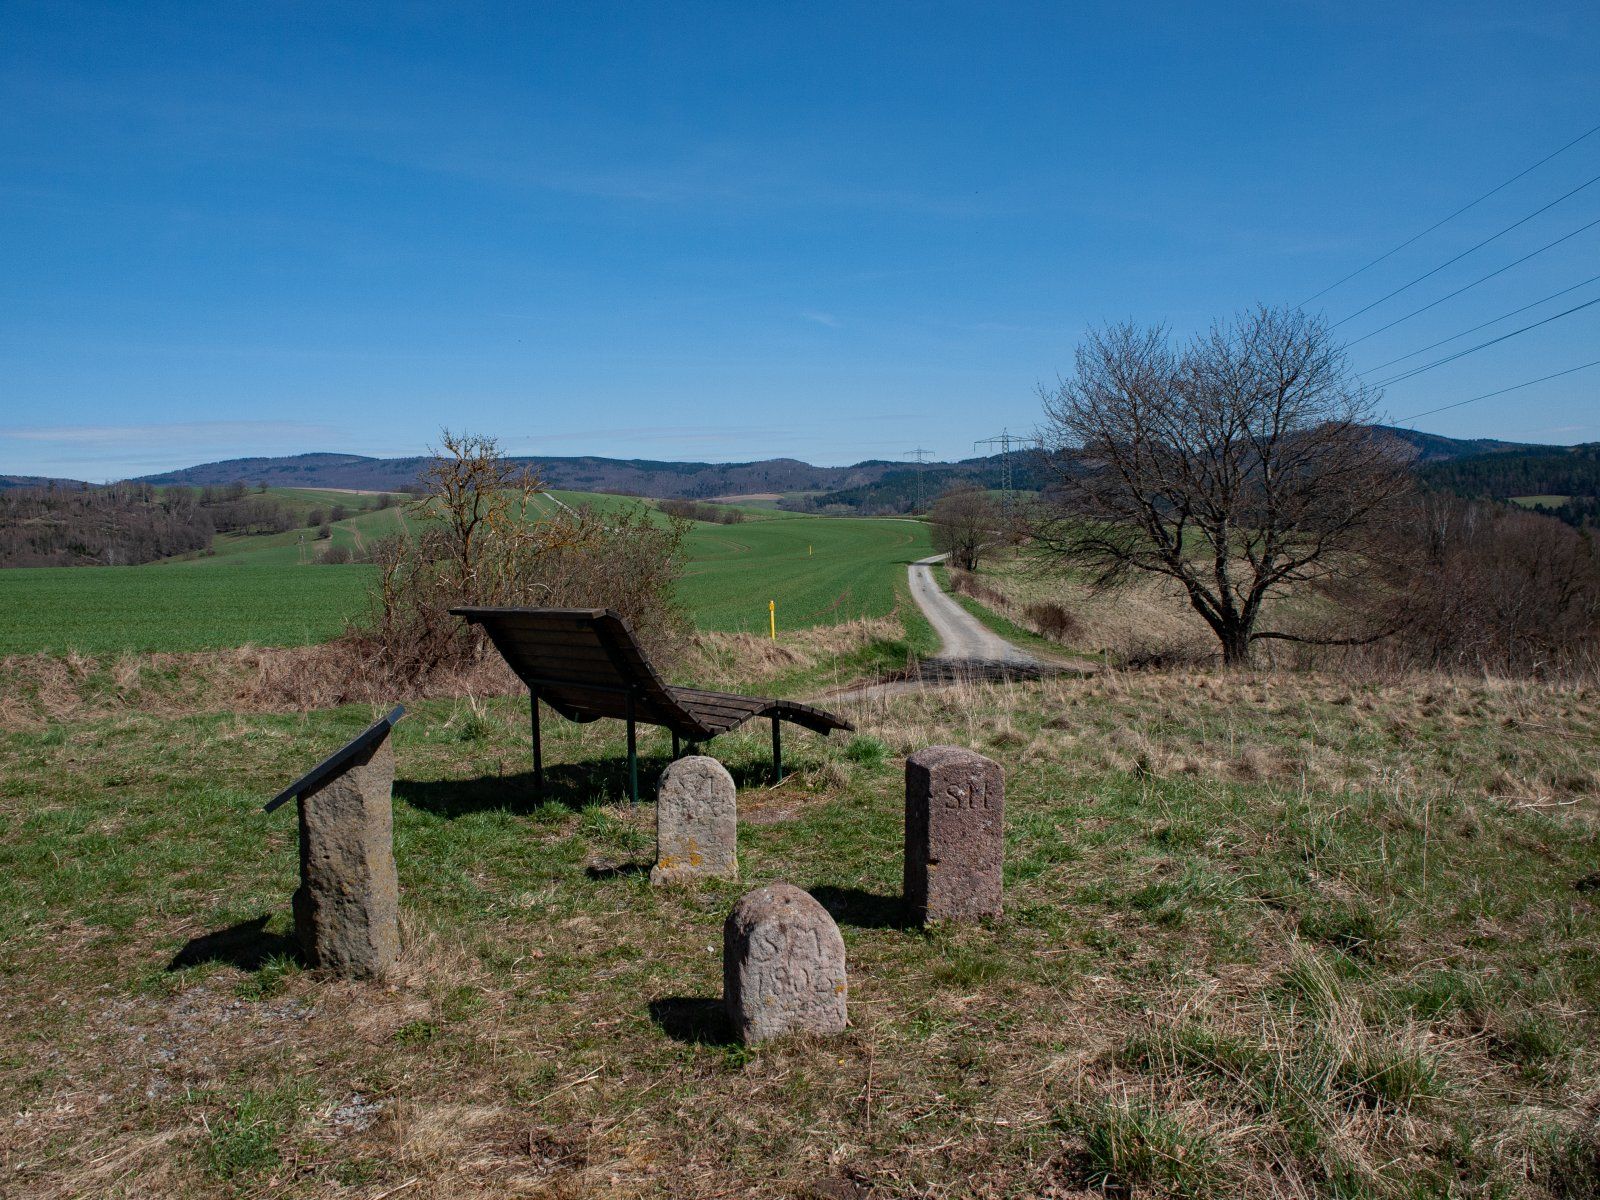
pixel 921 456
pixel 1007 441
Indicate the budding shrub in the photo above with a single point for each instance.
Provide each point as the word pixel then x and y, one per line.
pixel 479 536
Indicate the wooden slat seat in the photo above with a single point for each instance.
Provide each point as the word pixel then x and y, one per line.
pixel 586 664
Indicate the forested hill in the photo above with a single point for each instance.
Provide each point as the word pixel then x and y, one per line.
pixel 1567 479
pixel 1435 447
pixel 1546 471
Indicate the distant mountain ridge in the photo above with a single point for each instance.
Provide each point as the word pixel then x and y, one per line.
pixel 870 485
pixel 647 477
pixel 851 486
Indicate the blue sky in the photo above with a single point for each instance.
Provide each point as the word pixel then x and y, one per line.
pixel 833 232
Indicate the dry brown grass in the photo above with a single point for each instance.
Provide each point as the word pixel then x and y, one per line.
pixel 1312 729
pixel 39 689
pixel 1146 620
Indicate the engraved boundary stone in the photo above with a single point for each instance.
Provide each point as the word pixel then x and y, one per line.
pixel 783 966
pixel 954 835
pixel 697 822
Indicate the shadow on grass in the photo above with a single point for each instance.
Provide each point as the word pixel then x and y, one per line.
pixel 246 945
pixel 697 1020
pixel 618 870
pixel 569 785
pixel 863 909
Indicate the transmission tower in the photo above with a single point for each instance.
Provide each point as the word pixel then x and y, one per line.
pixel 921 456
pixel 1007 442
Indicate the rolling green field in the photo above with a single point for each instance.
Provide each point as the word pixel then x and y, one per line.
pixel 819 570
pixel 265 590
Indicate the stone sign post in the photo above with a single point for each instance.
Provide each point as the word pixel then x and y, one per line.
pixel 955 835
pixel 782 966
pixel 697 822
pixel 346 910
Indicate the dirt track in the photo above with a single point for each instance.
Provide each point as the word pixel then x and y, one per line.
pixel 963 639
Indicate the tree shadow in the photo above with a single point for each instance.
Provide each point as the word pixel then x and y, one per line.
pixel 246 945
pixel 696 1020
pixel 864 909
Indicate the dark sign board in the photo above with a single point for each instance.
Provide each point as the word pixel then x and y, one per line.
pixel 338 760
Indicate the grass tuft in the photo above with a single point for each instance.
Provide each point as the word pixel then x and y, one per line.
pixel 1130 1146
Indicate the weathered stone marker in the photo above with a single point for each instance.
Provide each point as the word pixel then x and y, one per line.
pixel 346 910
pixel 697 822
pixel 955 834
pixel 782 966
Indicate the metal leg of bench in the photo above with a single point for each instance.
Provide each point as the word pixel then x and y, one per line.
pixel 777 753
pixel 633 756
pixel 538 750
pixel 674 745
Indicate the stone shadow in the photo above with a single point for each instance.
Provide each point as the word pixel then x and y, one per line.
pixel 864 909
pixel 617 870
pixel 246 945
pixel 697 1020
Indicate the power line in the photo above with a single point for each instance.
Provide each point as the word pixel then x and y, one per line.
pixel 1470 249
pixel 1475 328
pixel 1490 395
pixel 1476 282
pixel 1451 217
pixel 1449 358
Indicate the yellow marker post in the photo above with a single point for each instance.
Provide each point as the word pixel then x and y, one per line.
pixel 772 617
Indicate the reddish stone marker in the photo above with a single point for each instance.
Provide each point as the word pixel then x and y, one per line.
pixel 782 966
pixel 955 835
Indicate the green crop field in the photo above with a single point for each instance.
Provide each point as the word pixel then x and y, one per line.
pixel 264 590
pixel 819 570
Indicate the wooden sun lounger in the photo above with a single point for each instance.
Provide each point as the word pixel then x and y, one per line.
pixel 586 664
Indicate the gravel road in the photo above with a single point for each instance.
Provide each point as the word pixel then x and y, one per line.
pixel 964 640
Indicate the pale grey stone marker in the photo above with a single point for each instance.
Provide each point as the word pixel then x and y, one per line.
pixel 346 910
pixel 697 822
pixel 782 966
pixel 955 835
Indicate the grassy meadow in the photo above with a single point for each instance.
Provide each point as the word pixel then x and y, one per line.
pixel 1273 934
pixel 1265 936
pixel 266 590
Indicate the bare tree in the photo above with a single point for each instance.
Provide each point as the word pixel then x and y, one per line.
pixel 1238 464
pixel 965 524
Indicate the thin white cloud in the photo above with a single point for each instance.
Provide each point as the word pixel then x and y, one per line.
pixel 99 452
pixel 822 318
pixel 185 433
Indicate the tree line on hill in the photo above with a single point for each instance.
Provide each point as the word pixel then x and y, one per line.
pixel 125 524
pixel 1571 472
pixel 690 510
